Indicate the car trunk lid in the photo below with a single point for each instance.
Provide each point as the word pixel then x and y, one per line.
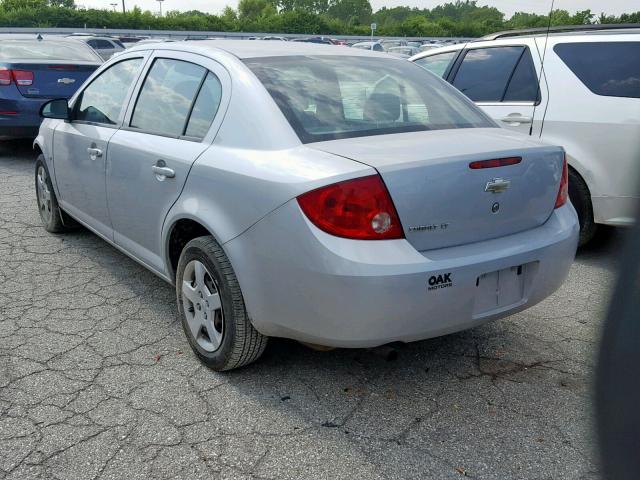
pixel 53 79
pixel 441 200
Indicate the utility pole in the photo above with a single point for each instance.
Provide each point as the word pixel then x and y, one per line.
pixel 114 5
pixel 124 10
pixel 160 3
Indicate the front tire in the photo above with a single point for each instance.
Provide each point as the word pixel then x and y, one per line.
pixel 212 310
pixel 581 199
pixel 54 219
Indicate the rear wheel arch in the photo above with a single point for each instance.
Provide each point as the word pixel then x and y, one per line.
pixel 37 149
pixel 580 195
pixel 181 232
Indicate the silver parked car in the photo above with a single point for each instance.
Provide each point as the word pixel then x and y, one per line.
pixel 334 196
pixel 106 47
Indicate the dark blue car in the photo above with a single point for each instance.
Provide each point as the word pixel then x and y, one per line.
pixel 34 70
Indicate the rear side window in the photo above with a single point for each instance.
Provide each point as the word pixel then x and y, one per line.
pixel 102 101
pixel 205 107
pixel 437 64
pixel 523 85
pixel 498 74
pixel 165 100
pixel 610 69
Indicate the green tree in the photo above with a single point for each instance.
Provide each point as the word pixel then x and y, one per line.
pixel 62 3
pixel 10 5
pixel 352 12
pixel 251 9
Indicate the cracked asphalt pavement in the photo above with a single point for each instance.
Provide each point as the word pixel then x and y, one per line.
pixel 97 379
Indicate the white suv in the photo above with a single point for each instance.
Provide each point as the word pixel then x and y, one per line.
pixel 588 102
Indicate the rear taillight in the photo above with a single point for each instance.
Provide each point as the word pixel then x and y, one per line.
pixel 22 78
pixel 360 209
pixel 563 193
pixel 5 76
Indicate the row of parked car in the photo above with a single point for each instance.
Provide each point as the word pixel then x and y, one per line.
pixel 365 200
pixel 107 46
pixel 586 97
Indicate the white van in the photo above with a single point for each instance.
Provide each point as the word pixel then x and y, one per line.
pixel 588 102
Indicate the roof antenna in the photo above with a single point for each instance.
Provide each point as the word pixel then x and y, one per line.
pixel 544 54
pixel 39 37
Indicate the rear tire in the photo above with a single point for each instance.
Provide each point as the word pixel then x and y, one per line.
pixel 212 310
pixel 581 199
pixel 54 219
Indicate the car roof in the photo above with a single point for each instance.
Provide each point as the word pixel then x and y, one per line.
pixel 34 36
pixel 91 37
pixel 508 39
pixel 567 30
pixel 263 48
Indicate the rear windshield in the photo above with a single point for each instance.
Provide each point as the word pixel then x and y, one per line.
pixel 332 97
pixel 46 50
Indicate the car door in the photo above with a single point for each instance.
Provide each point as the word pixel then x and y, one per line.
pixel 80 145
pixel 503 81
pixel 178 109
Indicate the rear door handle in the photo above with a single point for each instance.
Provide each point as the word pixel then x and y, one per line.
pixel 516 118
pixel 94 152
pixel 161 171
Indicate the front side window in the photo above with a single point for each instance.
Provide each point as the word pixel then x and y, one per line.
pixel 485 72
pixel 606 68
pixel 437 64
pixel 331 97
pixel 165 100
pixel 103 100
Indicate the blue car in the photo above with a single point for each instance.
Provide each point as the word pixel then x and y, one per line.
pixel 33 70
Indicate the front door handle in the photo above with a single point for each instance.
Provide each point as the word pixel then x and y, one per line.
pixel 516 118
pixel 94 153
pixel 163 172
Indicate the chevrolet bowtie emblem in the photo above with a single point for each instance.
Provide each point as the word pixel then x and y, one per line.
pixel 66 81
pixel 497 185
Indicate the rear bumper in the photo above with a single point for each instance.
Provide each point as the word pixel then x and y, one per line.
pixel 618 211
pixel 301 283
pixel 20 118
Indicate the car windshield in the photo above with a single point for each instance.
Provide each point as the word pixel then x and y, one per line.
pixel 331 97
pixel 25 49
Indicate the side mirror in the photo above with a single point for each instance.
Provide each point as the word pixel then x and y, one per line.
pixel 58 108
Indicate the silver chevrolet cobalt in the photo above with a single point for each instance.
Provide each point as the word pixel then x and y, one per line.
pixel 335 196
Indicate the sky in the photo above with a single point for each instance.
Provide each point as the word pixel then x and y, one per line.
pixel 509 7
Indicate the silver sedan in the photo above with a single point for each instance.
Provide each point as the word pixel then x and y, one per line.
pixel 339 197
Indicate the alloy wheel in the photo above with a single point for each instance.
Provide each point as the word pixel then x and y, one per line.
pixel 44 196
pixel 202 306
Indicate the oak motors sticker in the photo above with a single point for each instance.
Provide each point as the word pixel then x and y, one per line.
pixel 440 281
